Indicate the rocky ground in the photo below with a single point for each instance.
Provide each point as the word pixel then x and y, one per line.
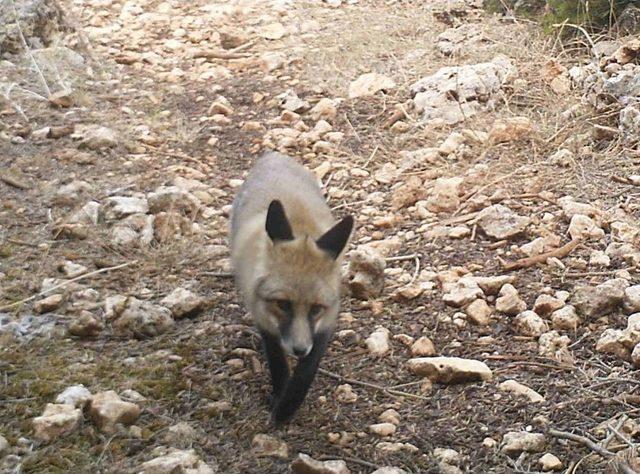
pixel 491 318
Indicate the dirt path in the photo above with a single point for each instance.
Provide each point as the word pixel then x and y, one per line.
pixel 190 93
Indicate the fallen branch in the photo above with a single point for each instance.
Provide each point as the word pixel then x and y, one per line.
pixel 560 252
pixel 582 440
pixel 67 282
pixel 388 391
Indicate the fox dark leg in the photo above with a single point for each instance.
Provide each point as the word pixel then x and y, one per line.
pixel 277 362
pixel 298 385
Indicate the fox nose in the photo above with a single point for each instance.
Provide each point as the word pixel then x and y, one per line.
pixel 301 351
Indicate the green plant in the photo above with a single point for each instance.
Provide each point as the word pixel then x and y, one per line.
pixel 590 14
pixel 526 8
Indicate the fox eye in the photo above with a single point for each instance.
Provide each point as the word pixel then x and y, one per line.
pixel 284 305
pixel 315 310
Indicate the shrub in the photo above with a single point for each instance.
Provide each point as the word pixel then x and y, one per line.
pixel 591 14
pixel 527 8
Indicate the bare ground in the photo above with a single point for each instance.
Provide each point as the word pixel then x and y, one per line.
pixel 391 38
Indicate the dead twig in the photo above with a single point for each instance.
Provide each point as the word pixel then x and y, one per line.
pixel 388 391
pixel 458 219
pixel 22 242
pixel 608 439
pixel 373 154
pixel 582 440
pixel 498 244
pixel 591 274
pixel 104 449
pixel 614 381
pixel 350 459
pixel 18 400
pixel 560 130
pixel 408 384
pixel 242 47
pixel 214 54
pixel 353 129
pixel 13 181
pixel 401 258
pixel 625 469
pixel 466 197
pixel 67 282
pixel 416 272
pixel 348 204
pixel 620 179
pixel 28 51
pixel 6 96
pixel 560 252
pixel 621 437
pixel 217 274
pixel 573 467
pixel 582 30
pixel 398 115
pixel 534 196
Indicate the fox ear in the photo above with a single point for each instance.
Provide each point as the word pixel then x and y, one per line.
pixel 277 225
pixel 334 240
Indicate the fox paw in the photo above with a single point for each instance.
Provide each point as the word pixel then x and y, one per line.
pixel 283 411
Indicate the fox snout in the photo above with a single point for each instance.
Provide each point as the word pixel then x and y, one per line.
pixel 297 337
pixel 299 351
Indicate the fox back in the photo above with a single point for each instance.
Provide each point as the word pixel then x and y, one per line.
pixel 286 249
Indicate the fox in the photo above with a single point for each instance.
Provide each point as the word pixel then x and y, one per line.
pixel 286 253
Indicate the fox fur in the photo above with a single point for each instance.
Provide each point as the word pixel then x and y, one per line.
pixel 286 250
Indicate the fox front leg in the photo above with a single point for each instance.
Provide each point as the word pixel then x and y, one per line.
pixel 278 365
pixel 298 385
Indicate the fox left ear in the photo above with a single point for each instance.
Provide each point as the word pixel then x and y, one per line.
pixel 277 225
pixel 334 240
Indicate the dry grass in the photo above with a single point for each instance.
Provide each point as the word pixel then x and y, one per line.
pixel 378 40
pixel 356 40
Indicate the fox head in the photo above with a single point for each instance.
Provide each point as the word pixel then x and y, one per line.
pixel 299 294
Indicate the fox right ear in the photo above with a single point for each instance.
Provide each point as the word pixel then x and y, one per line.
pixel 277 224
pixel 335 239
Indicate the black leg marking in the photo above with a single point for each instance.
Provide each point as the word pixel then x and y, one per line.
pixel 277 362
pixel 299 383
